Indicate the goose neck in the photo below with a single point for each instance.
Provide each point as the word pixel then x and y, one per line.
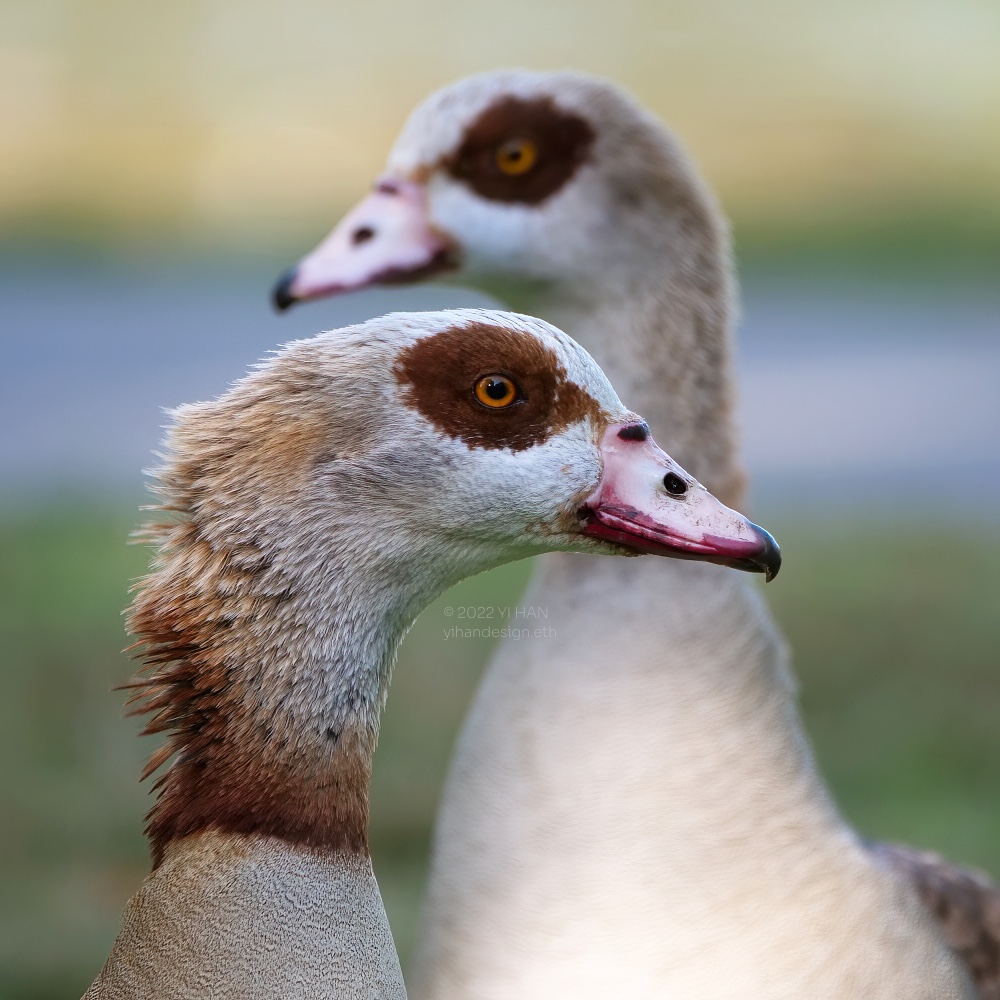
pixel 658 319
pixel 270 689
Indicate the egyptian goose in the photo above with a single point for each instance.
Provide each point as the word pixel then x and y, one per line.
pixel 658 828
pixel 315 509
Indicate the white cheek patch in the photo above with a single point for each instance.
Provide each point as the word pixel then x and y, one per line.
pixel 530 494
pixel 547 242
pixel 493 235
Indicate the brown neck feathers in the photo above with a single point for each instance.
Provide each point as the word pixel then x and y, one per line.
pixel 244 761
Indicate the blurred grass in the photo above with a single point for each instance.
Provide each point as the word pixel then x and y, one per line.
pixel 952 236
pixel 895 631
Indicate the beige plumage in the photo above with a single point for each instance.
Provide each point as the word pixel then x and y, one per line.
pixel 965 904
pixel 308 515
pixel 636 810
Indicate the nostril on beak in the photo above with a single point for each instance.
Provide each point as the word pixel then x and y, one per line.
pixel 387 187
pixel 674 485
pixel 362 235
pixel 634 432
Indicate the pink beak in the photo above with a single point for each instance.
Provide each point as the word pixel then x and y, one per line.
pixel 385 238
pixel 645 501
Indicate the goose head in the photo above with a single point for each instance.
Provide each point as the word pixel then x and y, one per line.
pixel 452 441
pixel 328 497
pixel 557 180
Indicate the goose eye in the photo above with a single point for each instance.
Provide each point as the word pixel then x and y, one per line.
pixel 496 391
pixel 516 156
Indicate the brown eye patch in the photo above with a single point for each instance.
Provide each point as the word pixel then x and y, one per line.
pixel 439 375
pixel 559 141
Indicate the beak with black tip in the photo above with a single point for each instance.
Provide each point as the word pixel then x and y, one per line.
pixel 281 295
pixel 646 502
pixel 387 238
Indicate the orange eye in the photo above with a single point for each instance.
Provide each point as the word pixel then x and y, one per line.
pixel 516 156
pixel 496 391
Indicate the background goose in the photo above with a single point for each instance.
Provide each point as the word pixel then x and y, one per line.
pixel 322 502
pixel 658 825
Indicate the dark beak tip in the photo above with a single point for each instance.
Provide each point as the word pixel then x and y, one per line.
pixel 770 559
pixel 281 295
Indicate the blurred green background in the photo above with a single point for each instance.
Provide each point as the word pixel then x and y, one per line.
pixel 895 634
pixel 160 162
pixel 235 122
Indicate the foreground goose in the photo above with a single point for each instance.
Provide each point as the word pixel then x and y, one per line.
pixel 318 506
pixel 634 811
